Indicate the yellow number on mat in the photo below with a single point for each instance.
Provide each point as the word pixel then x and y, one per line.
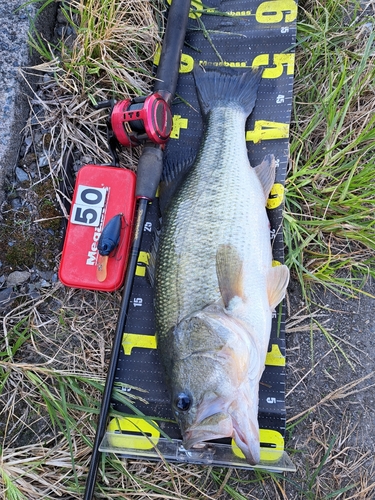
pixel 143 258
pixel 275 358
pixel 141 434
pixel 186 63
pixel 195 5
pixel 178 124
pixel 276 196
pixel 271 437
pixel 278 60
pixel 130 340
pixel 265 130
pixel 276 11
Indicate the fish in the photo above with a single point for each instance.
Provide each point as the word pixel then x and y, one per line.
pixel 215 285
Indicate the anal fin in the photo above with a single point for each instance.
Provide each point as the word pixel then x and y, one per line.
pixel 266 172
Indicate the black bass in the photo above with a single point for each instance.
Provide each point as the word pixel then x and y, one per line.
pixel 215 284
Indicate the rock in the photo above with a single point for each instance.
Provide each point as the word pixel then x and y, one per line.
pixel 21 175
pixel 17 20
pixel 43 161
pixel 6 297
pixel 44 284
pixel 16 203
pixel 45 275
pixel 17 278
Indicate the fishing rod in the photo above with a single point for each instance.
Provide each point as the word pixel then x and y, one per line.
pixel 150 110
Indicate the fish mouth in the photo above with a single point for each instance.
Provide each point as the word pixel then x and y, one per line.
pixel 216 426
pixel 221 425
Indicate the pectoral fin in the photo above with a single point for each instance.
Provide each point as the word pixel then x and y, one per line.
pixel 266 174
pixel 244 413
pixel 277 282
pixel 229 269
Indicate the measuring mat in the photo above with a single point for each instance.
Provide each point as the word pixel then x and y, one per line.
pixel 238 34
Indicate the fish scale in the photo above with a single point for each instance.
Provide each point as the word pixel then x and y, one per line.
pixel 215 204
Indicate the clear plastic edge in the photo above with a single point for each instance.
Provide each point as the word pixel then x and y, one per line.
pixel 171 450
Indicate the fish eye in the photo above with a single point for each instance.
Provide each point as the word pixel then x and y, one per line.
pixel 182 402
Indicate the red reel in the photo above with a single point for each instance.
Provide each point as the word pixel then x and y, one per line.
pixel 136 120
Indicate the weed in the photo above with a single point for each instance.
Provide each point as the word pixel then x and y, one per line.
pixel 329 224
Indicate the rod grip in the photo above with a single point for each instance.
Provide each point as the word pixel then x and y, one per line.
pixel 149 169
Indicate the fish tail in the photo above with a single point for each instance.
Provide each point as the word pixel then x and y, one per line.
pixel 227 86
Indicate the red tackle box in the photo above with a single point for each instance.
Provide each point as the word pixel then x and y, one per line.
pixel 100 193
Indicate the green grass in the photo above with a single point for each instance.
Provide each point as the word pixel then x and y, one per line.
pixel 329 222
pixel 114 42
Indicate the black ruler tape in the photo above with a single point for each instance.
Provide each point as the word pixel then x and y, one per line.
pixel 237 33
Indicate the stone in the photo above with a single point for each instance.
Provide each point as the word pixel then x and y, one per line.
pixel 16 20
pixel 17 278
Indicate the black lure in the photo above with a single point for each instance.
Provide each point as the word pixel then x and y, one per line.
pixel 110 237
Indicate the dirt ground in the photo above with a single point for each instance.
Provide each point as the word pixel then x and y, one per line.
pixel 331 387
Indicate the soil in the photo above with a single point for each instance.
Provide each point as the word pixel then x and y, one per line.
pixel 331 386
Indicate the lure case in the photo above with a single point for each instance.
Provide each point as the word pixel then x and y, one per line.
pixel 101 193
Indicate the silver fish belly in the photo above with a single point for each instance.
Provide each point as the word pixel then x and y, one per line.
pixel 215 284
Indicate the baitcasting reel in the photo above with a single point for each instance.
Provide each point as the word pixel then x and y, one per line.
pixel 133 121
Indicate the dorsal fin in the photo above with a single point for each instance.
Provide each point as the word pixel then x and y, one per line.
pixel 175 168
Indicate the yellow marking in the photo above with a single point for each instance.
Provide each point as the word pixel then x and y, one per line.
pixel 146 438
pixel 275 358
pixel 240 13
pixel 197 5
pixel 130 340
pixel 278 61
pixel 276 11
pixel 187 64
pixel 143 258
pixel 178 124
pixel 265 130
pixel 266 454
pixel 276 196
pixel 157 55
pixel 231 64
